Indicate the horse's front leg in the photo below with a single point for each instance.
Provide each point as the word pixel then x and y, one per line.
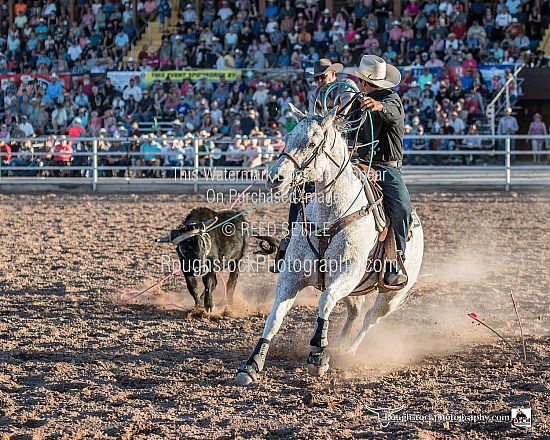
pixel 340 286
pixel 288 285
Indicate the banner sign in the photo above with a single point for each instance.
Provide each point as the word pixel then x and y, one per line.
pixel 43 79
pixel 121 80
pixel 489 71
pixel 193 75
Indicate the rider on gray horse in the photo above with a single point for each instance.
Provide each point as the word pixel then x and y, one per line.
pixel 376 78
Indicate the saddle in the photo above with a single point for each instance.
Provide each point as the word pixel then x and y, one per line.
pixel 385 251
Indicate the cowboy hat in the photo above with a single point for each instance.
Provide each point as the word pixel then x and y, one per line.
pixel 376 71
pixel 324 65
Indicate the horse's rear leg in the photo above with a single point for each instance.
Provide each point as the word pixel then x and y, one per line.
pixel 353 306
pixel 287 290
pixel 386 303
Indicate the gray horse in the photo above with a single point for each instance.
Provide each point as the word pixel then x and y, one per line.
pixel 316 151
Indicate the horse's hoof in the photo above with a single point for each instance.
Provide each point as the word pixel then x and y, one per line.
pixel 243 379
pixel 315 371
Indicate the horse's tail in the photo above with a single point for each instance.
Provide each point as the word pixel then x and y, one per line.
pixel 269 248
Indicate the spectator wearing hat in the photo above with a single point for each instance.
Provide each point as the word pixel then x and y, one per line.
pixel 34 108
pixel 260 99
pixel 54 90
pixel 59 119
pixel 324 72
pixel 26 126
pixel 325 20
pixel 189 14
pixel 508 125
pixel 61 156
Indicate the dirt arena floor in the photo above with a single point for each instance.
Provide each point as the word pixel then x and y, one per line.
pixel 77 361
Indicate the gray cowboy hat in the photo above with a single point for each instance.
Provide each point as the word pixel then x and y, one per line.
pixel 376 71
pixel 324 65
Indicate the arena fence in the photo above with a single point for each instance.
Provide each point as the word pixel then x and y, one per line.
pixel 202 163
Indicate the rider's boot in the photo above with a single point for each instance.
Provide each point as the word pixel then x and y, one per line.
pixel 394 276
pixel 276 268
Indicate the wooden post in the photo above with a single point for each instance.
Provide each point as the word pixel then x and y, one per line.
pixel 261 7
pixel 71 11
pixel 397 9
pixel 11 7
pixel 134 8
pixel 329 4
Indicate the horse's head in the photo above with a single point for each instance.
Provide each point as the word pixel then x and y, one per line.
pixel 307 155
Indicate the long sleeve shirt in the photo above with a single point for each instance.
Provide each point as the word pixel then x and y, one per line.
pixel 388 128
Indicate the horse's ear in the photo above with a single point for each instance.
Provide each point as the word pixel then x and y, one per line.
pixel 328 118
pixel 296 114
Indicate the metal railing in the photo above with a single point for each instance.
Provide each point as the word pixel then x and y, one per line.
pixel 198 166
pixel 495 107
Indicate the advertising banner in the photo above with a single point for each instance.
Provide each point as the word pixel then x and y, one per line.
pixel 194 75
pixel 43 79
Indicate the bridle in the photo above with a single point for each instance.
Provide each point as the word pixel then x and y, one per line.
pixel 298 178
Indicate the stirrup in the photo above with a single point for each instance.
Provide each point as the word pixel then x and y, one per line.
pixel 395 279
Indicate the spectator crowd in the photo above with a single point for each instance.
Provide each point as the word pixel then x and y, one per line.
pixel 438 45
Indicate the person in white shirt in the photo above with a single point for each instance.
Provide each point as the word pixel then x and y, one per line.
pixel 189 15
pixel 225 11
pixel 457 123
pixel 74 51
pixel 26 127
pixel 59 118
pixel 132 89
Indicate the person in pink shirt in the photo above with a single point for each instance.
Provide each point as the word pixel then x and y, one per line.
pixel 434 61
pixel 371 43
pixel 538 127
pixel 413 8
pixel 395 35
pixel 469 63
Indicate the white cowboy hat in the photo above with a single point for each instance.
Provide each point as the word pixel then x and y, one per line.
pixel 376 71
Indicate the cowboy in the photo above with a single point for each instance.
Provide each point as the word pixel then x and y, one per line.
pixel 324 73
pixel 376 78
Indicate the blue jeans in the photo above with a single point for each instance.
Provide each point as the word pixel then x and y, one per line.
pixel 16 162
pixel 397 201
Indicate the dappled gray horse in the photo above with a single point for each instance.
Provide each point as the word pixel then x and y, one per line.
pixel 316 151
